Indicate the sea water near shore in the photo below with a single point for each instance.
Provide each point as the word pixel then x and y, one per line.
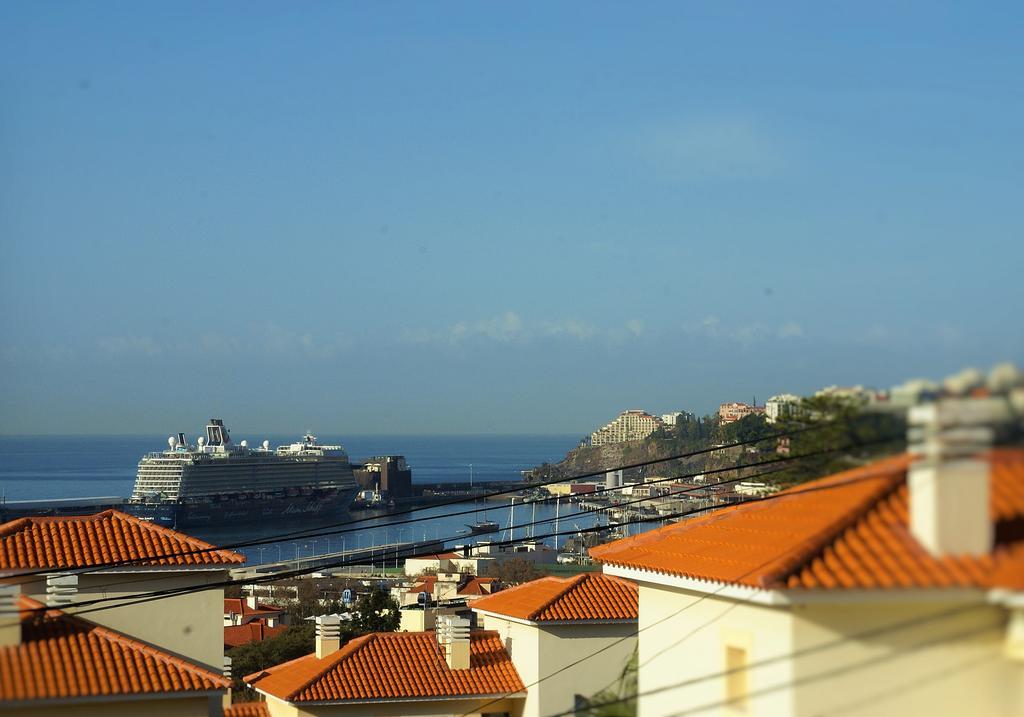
pixel 42 467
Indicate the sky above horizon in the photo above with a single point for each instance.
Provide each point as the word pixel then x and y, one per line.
pixel 482 218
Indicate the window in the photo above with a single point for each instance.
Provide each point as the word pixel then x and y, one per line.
pixel 736 677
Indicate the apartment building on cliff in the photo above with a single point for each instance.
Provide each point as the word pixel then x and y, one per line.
pixel 632 425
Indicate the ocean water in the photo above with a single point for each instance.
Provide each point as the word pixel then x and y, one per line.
pixel 41 467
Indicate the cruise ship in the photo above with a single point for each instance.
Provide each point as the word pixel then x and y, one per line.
pixel 216 481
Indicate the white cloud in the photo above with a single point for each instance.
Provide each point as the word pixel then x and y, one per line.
pixel 509 327
pixel 745 334
pixel 723 146
pixel 790 330
pixel 575 329
pixel 129 346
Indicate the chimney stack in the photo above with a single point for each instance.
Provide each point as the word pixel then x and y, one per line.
pixel 453 636
pixel 949 481
pixel 328 634
pixel 10 624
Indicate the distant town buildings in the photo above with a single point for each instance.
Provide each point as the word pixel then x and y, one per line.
pixel 632 425
pixel 729 412
pixel 674 418
pixel 780 406
pixel 857 395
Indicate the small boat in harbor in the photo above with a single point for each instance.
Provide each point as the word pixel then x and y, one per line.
pixel 482 527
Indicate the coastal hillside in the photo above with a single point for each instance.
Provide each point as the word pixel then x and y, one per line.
pixel 840 436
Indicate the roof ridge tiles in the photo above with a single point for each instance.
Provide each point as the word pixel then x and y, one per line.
pixel 815 543
pixel 109 538
pixel 330 661
pixel 570 585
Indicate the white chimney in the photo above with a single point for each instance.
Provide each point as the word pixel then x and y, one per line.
pixel 328 634
pixel 10 624
pixel 949 480
pixel 61 589
pixel 453 636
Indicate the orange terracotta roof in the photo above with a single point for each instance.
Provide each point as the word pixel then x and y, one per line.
pixel 64 657
pixel 247 709
pixel 100 539
pixel 850 530
pixel 255 631
pixel 438 556
pixel 239 606
pixel 476 586
pixel 392 665
pixel 587 596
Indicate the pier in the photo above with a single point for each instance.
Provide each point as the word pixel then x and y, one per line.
pixel 386 555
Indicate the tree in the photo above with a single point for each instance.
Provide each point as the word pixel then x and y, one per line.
pixel 514 571
pixel 376 611
pixel 296 641
pixel 308 598
pixel 852 436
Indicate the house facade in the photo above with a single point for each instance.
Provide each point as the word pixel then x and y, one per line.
pixel 568 638
pixel 892 589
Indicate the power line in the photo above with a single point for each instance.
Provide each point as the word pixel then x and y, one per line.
pixel 344 526
pixel 95 604
pixel 387 556
pixel 695 602
pixel 326 531
pixel 821 647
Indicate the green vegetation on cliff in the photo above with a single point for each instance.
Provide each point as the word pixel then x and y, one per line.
pixel 837 425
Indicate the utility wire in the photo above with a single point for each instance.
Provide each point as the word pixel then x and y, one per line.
pixel 95 603
pixel 385 556
pixel 813 649
pixel 555 519
pixel 334 529
pixel 700 599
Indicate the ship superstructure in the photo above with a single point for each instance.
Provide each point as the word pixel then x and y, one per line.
pixel 214 478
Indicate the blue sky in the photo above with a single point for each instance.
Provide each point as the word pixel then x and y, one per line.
pixel 446 218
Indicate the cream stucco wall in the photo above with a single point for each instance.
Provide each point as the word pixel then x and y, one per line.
pixel 935 658
pixel 870 656
pixel 189 625
pixel 539 652
pixel 683 638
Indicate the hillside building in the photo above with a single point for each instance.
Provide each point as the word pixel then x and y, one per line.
pixel 780 407
pixel 550 626
pixel 450 671
pixel 632 425
pixel 122 655
pixel 729 412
